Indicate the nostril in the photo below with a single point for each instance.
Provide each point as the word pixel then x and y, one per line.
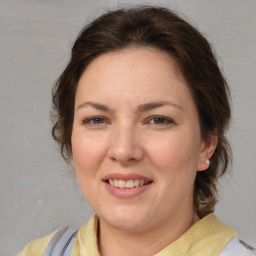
pixel 125 152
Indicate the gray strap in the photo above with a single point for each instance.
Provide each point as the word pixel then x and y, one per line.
pixel 236 247
pixel 62 243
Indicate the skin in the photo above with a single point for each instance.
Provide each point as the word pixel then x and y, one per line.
pixel 119 135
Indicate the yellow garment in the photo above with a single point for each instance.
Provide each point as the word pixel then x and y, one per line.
pixel 37 246
pixel 207 237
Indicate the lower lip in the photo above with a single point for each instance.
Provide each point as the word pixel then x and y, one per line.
pixel 126 192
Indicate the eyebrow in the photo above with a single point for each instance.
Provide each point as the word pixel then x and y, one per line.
pixel 141 108
pixel 94 105
pixel 153 105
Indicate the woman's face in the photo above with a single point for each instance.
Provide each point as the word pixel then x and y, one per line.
pixel 136 140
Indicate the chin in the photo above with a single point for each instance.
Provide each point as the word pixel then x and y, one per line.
pixel 125 220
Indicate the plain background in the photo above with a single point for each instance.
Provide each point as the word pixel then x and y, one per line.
pixel 38 192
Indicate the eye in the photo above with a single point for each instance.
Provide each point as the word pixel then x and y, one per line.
pixel 95 121
pixel 160 120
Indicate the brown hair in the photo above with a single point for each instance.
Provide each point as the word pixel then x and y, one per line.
pixel 163 29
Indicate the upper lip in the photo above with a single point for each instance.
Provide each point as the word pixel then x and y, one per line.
pixel 122 176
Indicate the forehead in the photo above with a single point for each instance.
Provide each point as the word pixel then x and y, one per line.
pixel 135 58
pixel 133 73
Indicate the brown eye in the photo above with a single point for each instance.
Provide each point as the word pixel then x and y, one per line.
pixel 160 120
pixel 95 120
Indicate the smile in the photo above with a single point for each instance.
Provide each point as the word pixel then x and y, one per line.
pixel 127 184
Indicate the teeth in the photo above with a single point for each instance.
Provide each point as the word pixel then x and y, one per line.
pixel 137 183
pixel 127 184
pixel 121 184
pixel 116 183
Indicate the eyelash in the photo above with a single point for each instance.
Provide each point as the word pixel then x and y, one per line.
pixel 91 120
pixel 163 120
pixel 157 120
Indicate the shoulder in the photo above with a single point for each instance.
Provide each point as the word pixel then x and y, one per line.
pixel 237 247
pixel 54 244
pixel 63 240
pixel 37 246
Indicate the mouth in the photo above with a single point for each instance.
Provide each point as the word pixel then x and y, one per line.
pixel 127 184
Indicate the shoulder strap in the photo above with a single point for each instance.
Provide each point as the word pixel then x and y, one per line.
pixel 237 247
pixel 62 243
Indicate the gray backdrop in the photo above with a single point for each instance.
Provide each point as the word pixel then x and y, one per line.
pixel 38 193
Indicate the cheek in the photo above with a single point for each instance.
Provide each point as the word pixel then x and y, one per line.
pixel 87 152
pixel 87 157
pixel 176 152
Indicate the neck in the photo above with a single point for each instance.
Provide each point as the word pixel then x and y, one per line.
pixel 116 242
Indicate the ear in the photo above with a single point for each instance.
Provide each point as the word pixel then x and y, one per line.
pixel 207 149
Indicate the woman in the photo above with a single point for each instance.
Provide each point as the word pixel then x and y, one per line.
pixel 142 109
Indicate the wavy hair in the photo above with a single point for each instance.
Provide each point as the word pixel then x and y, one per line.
pixel 163 29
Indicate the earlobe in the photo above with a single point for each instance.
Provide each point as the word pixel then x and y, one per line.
pixel 206 153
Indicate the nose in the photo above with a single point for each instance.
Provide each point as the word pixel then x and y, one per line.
pixel 125 146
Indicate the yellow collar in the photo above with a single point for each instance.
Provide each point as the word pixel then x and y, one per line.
pixel 206 237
